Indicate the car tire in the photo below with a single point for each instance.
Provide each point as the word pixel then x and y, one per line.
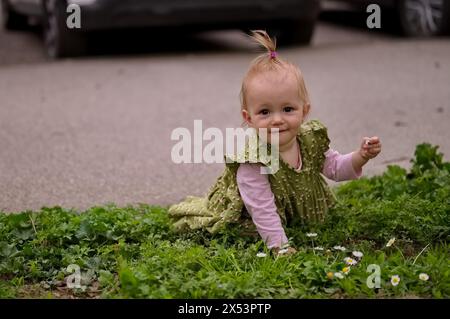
pixel 11 19
pixel 297 32
pixel 423 19
pixel 60 41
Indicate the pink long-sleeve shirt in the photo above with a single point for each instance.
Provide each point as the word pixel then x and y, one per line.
pixel 260 202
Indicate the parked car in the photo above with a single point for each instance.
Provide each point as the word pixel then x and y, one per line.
pixel 418 18
pixel 292 21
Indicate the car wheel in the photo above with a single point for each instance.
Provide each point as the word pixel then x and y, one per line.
pixel 60 41
pixel 298 32
pixel 421 18
pixel 11 19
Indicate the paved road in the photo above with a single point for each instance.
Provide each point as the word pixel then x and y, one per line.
pixel 82 132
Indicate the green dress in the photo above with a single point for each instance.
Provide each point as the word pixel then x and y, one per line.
pixel 300 196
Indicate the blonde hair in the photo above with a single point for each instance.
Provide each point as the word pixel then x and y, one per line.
pixel 270 61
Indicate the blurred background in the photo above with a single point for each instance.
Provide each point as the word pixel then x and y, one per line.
pixel 86 114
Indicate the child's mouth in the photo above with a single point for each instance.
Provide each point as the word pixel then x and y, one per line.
pixel 280 131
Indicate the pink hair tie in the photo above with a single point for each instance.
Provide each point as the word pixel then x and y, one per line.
pixel 273 54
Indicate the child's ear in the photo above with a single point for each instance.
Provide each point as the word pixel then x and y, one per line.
pixel 306 109
pixel 246 116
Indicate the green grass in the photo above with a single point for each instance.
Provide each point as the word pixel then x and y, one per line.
pixel 132 252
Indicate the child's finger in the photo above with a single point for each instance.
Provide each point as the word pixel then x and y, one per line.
pixel 374 140
pixel 376 146
pixel 375 151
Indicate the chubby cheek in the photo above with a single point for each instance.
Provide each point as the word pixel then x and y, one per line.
pixel 261 123
pixel 296 121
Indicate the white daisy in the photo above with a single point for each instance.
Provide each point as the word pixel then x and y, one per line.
pixel 345 270
pixel 395 280
pixel 338 275
pixel 311 234
pixel 341 248
pixel 350 261
pixel 283 251
pixel 390 242
pixel 318 248
pixel 358 254
pixel 261 255
pixel 424 277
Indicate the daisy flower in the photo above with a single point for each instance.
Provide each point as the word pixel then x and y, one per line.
pixel 318 248
pixel 358 254
pixel 390 242
pixel 350 261
pixel 338 275
pixel 345 270
pixel 341 248
pixel 311 234
pixel 424 277
pixel 261 255
pixel 395 280
pixel 330 275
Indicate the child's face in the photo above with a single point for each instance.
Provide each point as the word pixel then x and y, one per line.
pixel 273 101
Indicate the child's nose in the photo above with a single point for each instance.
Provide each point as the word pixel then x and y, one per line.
pixel 277 119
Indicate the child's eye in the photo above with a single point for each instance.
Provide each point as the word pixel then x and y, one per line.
pixel 264 112
pixel 288 109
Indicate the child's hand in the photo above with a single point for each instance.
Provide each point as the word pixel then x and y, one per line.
pixel 370 147
pixel 277 251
